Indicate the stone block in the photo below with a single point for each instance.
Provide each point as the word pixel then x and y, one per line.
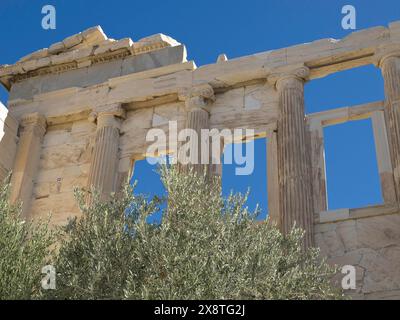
pixel 56 48
pixel 35 55
pixel 25 89
pixel 333 243
pixel 346 231
pixel 159 38
pixel 94 35
pixel 56 137
pixel 81 129
pixel 100 73
pixel 324 227
pixel 155 59
pixel 62 155
pixel 73 40
pixel 336 215
pixel 379 232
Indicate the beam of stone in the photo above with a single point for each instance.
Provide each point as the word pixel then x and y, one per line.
pixel 104 161
pixel 388 59
pixel 293 155
pixel 196 101
pixel 32 130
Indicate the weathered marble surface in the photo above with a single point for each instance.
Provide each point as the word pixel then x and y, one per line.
pixel 64 164
pixel 370 244
pixel 98 73
pixel 58 129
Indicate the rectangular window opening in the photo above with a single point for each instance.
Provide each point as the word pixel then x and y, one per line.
pixel 352 173
pixel 148 184
pixel 256 180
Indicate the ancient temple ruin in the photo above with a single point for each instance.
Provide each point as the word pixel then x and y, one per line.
pixel 78 113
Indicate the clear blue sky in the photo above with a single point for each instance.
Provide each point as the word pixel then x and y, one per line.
pixel 236 28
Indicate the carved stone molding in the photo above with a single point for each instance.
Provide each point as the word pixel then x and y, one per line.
pixel 289 77
pixel 197 97
pixel 383 53
pixel 90 47
pixel 108 115
pixel 33 122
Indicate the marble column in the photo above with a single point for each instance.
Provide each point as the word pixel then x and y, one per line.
pixel 294 162
pixel 390 66
pixel 32 129
pixel 196 102
pixel 105 156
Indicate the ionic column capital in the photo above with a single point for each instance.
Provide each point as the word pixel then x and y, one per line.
pixel 386 54
pixel 33 122
pixel 292 78
pixel 108 115
pixel 197 97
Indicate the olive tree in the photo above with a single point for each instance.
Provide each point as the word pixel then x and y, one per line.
pixel 25 248
pixel 206 247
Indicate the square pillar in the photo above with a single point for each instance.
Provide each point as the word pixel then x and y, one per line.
pixel 32 130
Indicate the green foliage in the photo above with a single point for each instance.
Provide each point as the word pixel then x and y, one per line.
pixel 205 248
pixel 96 250
pixel 24 251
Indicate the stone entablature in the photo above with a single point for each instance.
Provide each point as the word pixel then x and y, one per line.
pixel 78 51
pixel 85 105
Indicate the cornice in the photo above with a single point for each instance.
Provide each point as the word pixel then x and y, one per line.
pixel 82 50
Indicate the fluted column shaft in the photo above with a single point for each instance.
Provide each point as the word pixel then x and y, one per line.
pixel 390 67
pixel 104 162
pixel 32 130
pixel 198 119
pixel 294 159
